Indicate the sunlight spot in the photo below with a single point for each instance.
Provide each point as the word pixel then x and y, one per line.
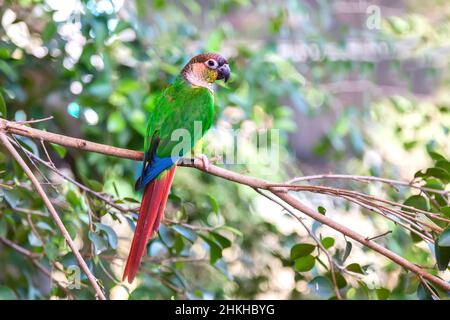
pixel 76 87
pixel 97 62
pixel 91 116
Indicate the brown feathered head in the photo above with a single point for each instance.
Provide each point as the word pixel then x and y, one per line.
pixel 205 68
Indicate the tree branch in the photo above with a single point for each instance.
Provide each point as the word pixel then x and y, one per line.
pixel 279 190
pixel 391 182
pixel 54 214
pixel 22 130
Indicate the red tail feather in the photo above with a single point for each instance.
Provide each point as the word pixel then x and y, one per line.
pixel 150 215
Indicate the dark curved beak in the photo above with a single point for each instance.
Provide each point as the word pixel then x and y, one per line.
pixel 224 73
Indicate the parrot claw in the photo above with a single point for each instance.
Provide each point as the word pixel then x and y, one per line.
pixel 205 162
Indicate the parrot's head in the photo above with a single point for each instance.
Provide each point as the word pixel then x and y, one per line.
pixel 204 69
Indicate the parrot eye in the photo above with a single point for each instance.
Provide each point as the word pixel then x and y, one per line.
pixel 212 64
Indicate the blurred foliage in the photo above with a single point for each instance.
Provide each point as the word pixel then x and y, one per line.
pixel 97 66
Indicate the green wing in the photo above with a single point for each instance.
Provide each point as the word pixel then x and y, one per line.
pixel 175 114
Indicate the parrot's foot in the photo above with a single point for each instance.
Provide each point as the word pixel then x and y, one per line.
pixel 205 162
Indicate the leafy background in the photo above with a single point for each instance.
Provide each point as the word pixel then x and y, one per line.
pixel 348 93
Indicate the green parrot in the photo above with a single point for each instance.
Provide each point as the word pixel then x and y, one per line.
pixel 178 112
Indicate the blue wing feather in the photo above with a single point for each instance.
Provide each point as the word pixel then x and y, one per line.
pixel 152 171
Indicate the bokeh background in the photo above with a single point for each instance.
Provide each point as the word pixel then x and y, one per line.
pixel 354 87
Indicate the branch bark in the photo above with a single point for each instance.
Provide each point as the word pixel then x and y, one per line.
pixel 22 130
pixel 279 190
pixel 54 214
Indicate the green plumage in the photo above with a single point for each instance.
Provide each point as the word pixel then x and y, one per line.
pixel 178 107
pixel 178 120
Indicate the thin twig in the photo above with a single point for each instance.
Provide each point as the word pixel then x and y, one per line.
pixel 366 179
pixel 47 154
pixel 34 120
pixel 427 286
pixel 19 249
pixel 55 216
pixel 379 236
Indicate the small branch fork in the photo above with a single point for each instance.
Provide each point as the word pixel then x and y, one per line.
pixel 401 214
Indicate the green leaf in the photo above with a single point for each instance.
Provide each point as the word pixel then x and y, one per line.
pixel 446 211
pixel 110 233
pixel 49 31
pixel 128 85
pixel 417 202
pixel 7 293
pixel 415 237
pixel 2 106
pixel 4 53
pixel 51 250
pixel 434 184
pixel 443 164
pixel 186 233
pixel 423 293
pixel 101 32
pixel 214 40
pixel 44 226
pixel 322 210
pixel 60 150
pixel 128 199
pixel 340 280
pixel 215 250
pixel 95 185
pixel 224 242
pixel 327 242
pixel 286 69
pixel 442 256
pixel 3 228
pixel 348 250
pixel 355 267
pixel 100 89
pixel 34 240
pixel 213 203
pixel 116 122
pixel 100 244
pixel 73 198
pixel 234 230
pixel 301 250
pixel 179 244
pixel 444 238
pixel 116 190
pixel 411 284
pixel 436 156
pixel 321 286
pixel 305 263
pixel 383 293
pixel 437 173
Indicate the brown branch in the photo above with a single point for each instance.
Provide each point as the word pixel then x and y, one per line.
pixel 355 194
pixel 54 214
pixel 280 190
pixel 19 249
pixel 22 130
pixel 367 179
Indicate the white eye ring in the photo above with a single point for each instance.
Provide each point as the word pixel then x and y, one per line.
pixel 212 64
